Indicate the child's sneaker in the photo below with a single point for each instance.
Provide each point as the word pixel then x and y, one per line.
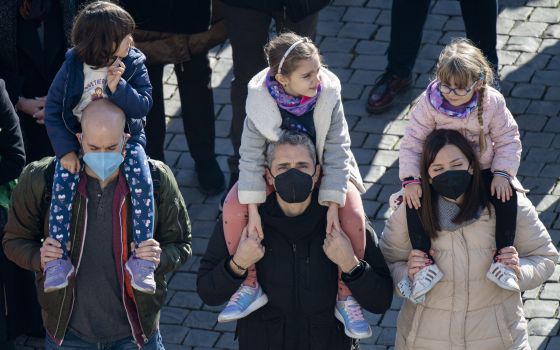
pixel 503 276
pixel 425 280
pixel 246 300
pixel 141 274
pixel 349 312
pixel 57 273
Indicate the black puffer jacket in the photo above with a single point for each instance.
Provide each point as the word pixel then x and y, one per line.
pixel 299 280
pixel 295 9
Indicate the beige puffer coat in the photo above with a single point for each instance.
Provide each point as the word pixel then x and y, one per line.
pixel 466 311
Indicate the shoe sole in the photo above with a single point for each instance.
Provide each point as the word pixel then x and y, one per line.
pixel 417 295
pixel 137 287
pixel 62 286
pixel 255 305
pixel 346 331
pixel 494 279
pixel 380 110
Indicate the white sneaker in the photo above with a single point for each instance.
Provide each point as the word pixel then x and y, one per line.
pixel 246 300
pixel 503 276
pixel 425 279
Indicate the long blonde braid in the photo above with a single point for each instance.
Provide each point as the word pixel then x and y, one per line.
pixel 480 110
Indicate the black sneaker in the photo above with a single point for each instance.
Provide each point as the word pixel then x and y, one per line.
pixel 233 177
pixel 210 177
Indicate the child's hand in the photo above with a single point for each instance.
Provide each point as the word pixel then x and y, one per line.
pixel 417 260
pixel 254 226
pixel 412 194
pixel 70 162
pixel 501 188
pixel 114 75
pixel 333 223
pixel 30 106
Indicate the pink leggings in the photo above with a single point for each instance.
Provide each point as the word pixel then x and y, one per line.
pixel 351 216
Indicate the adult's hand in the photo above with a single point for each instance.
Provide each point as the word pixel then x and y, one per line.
pixel 417 260
pixel 147 250
pixel 338 249
pixel 51 250
pixel 249 251
pixel 31 106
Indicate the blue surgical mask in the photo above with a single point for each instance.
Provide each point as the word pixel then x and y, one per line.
pixel 103 164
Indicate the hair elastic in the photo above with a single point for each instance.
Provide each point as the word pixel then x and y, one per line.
pixel 303 40
pixel 481 75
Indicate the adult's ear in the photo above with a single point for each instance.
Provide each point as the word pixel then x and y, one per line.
pixel 317 174
pixel 268 177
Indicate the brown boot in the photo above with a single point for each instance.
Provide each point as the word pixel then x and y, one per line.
pixel 383 93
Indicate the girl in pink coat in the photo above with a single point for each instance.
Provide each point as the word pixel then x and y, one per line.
pixel 460 98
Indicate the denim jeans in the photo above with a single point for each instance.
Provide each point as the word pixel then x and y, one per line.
pixel 73 342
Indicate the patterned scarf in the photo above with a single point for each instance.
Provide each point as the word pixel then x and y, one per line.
pixel 440 103
pixel 295 105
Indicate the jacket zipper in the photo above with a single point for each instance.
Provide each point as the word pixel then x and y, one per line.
pixel 64 102
pixel 123 284
pixel 75 272
pixel 296 275
pixel 130 77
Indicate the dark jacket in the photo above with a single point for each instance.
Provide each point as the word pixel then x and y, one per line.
pixel 170 16
pixel 133 96
pixel 28 224
pixel 299 280
pixel 295 9
pixel 12 154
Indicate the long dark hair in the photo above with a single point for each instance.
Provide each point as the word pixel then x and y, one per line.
pixel 98 31
pixel 474 198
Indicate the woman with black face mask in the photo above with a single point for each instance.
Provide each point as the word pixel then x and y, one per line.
pixel 464 308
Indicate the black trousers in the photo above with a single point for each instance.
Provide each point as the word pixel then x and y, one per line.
pixel 248 33
pixel 407 21
pixel 506 221
pixel 35 139
pixel 197 109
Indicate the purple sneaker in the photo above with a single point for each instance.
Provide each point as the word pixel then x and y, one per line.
pixel 141 274
pixel 57 273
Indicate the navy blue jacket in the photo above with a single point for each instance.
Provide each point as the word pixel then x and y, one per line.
pixel 133 95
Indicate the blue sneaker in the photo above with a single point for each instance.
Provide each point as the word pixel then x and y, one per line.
pixel 57 273
pixel 246 300
pixel 141 275
pixel 349 312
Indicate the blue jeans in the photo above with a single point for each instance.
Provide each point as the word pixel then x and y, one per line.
pixel 73 342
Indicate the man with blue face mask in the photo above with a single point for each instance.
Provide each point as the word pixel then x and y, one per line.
pixel 297 262
pixel 99 307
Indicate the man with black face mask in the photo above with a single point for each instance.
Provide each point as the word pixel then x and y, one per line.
pixel 297 262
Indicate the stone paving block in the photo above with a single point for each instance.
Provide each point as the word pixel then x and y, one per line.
pixel 224 113
pixel 363 156
pixel 545 15
pixel 357 30
pixel 387 191
pixel 543 3
pixel 550 78
pixel 552 94
pixel 198 337
pixel 183 282
pixel 343 45
pixel 352 91
pixel 173 315
pixel 368 62
pixel 541 155
pixel 541 308
pixel 551 170
pixel 516 13
pixel 552 31
pixel 551 291
pixel 396 127
pixel 328 28
pixel 384 18
pixel 227 341
pixel 533 29
pixel 201 319
pixel 507 57
pixel 389 319
pixel 337 59
pixel 331 13
pixel 361 15
pixel 386 158
pixel 372 190
pixel 368 47
pixel 450 8
pixel 518 74
pixel 372 173
pixel 532 293
pixel 371 208
pixel 352 3
pixel 387 336
pixel 365 77
pixel 538 185
pixel 343 74
pixel 528 122
pixel 383 34
pixel 384 212
pixel 523 43
pixel 173 334
pixel 382 4
pixel 357 138
pixel 504 25
pixel 435 21
pixel 537 342
pixel 535 60
pixel 544 108
pixel 431 36
pixel 430 51
pixel 449 36
pixel 550 46
pixel 378 141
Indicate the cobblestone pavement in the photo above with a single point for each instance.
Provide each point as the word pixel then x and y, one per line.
pixel 353 37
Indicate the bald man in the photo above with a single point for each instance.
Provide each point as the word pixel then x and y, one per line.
pixel 98 308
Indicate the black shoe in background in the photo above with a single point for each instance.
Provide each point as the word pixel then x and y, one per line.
pixel 210 177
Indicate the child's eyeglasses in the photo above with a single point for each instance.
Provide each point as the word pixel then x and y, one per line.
pixel 444 89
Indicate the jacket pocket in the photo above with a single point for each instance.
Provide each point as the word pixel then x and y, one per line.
pixel 274 331
pixel 505 334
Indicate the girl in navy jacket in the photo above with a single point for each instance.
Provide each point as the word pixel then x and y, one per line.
pixel 102 64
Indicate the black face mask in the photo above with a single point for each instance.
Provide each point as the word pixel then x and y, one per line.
pixel 452 184
pixel 293 186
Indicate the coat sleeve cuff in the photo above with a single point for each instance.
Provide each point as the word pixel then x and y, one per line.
pixel 252 197
pixel 337 197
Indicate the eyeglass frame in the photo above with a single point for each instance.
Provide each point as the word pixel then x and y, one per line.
pixel 469 89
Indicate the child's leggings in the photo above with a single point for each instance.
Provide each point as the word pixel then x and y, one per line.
pixel 506 221
pixel 351 216
pixel 139 179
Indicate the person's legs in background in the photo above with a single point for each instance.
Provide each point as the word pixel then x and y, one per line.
pixel 155 120
pixel 197 106
pixel 407 22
